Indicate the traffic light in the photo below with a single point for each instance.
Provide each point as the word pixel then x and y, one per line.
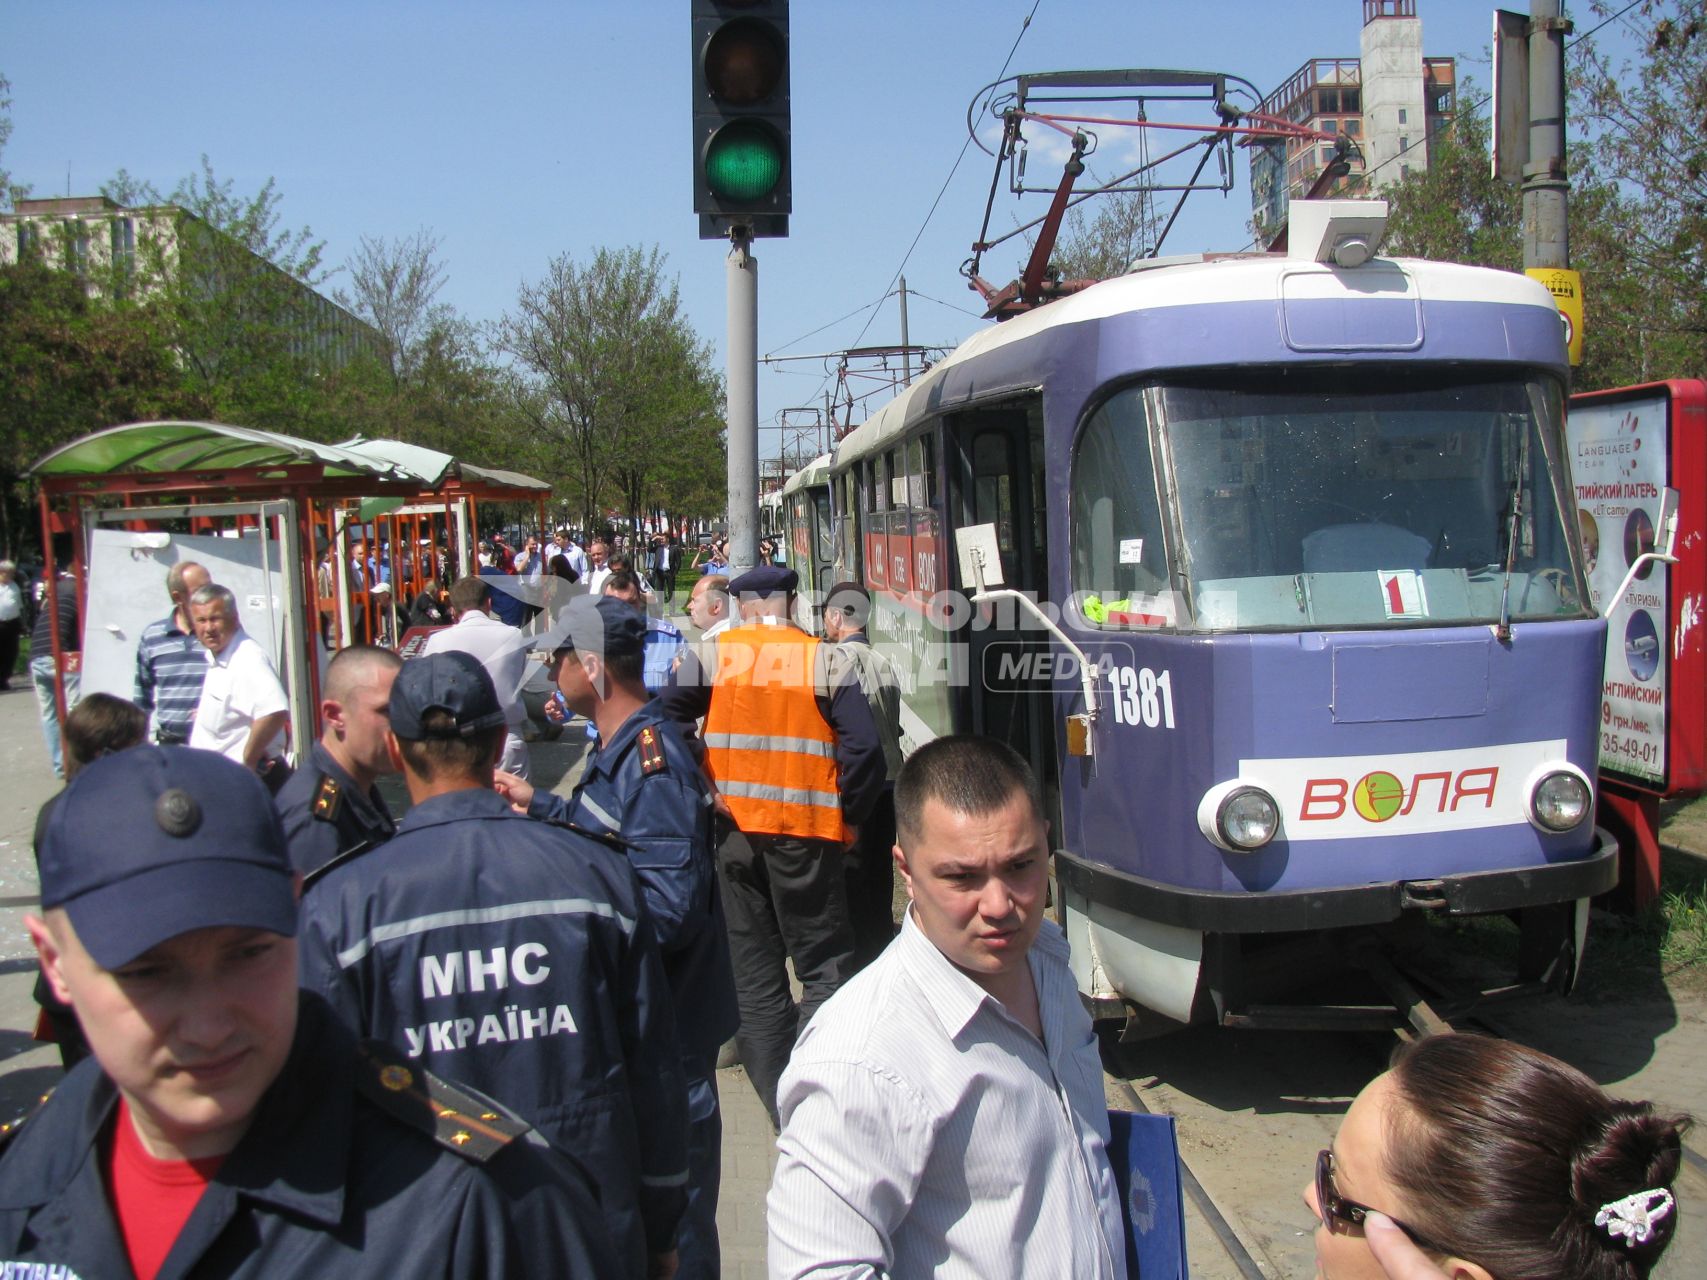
pixel 741 172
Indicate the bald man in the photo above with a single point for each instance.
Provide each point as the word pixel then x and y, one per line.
pixel 331 808
pixel 170 661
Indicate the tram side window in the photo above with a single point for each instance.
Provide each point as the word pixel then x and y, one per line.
pixel 852 509
pixel 1119 562
pixel 825 550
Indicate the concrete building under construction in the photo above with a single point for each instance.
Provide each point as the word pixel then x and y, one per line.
pixel 1388 103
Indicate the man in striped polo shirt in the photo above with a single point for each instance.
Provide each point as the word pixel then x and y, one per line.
pixel 170 661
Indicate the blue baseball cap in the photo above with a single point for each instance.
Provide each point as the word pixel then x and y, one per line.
pixel 453 682
pixel 153 842
pixel 766 580
pixel 595 624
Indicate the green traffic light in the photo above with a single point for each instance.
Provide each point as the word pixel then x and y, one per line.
pixel 743 162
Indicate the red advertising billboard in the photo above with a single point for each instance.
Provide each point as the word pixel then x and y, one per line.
pixel 1628 446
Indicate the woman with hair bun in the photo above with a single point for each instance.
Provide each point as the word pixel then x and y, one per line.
pixel 1481 1159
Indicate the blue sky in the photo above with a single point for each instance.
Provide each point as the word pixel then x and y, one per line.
pixel 518 130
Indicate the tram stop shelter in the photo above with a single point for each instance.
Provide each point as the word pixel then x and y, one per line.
pixel 274 518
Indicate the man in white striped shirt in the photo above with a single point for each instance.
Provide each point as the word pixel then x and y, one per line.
pixel 943 1113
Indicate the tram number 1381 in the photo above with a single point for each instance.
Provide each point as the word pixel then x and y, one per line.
pixel 1142 696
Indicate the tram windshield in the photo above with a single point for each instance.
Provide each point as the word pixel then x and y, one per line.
pixel 1347 497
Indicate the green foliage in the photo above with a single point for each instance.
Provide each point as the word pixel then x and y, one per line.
pixel 1455 210
pixel 1642 148
pixel 1122 227
pixel 393 287
pixel 214 316
pixel 70 365
pixel 9 193
pixel 232 294
pixel 610 372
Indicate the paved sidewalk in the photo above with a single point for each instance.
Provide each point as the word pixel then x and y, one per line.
pixel 749 1156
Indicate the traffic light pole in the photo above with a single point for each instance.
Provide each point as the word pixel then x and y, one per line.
pixel 742 272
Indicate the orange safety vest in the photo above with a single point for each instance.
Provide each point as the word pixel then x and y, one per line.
pixel 770 751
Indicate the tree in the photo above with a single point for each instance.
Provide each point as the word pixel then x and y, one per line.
pixel 232 294
pixel 605 362
pixel 9 193
pixel 681 409
pixel 1455 210
pixel 71 365
pixel 1103 245
pixel 1642 147
pixel 393 287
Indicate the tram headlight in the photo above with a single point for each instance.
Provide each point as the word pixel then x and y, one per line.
pixel 1238 817
pixel 1560 798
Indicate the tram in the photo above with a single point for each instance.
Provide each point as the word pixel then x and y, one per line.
pixel 807 540
pixel 1268 564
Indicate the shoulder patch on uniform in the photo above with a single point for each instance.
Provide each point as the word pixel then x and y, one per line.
pixel 454 1116
pixel 328 799
pixel 652 752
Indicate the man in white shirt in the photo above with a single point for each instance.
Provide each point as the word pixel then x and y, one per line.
pixel 924 1130
pixel 497 646
pixel 243 709
pixel 598 562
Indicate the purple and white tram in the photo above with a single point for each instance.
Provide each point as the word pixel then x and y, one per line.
pixel 1306 523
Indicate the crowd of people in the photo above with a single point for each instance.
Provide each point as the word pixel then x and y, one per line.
pixel 312 1036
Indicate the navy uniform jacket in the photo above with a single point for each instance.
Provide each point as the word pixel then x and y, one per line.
pixel 329 1181
pixel 647 787
pixel 519 958
pixel 326 815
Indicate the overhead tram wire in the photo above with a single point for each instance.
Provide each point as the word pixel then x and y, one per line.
pixel 832 324
pixel 923 226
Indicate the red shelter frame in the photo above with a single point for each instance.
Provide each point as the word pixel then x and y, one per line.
pixel 157 464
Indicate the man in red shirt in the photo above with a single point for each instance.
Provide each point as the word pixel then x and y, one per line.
pixel 226 1123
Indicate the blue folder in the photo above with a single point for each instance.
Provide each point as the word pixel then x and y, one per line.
pixel 1144 1150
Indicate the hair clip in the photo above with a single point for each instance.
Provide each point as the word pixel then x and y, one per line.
pixel 1634 1217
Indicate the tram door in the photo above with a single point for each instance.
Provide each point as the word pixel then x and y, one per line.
pixel 999 475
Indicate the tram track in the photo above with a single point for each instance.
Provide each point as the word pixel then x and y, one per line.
pixel 1237 1254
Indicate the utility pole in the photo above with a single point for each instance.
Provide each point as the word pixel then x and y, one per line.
pixel 906 354
pixel 1529 150
pixel 1545 186
pixel 742 271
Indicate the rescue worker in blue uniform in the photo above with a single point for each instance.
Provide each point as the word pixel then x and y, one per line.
pixel 228 1124
pixel 643 782
pixel 330 807
pixel 515 955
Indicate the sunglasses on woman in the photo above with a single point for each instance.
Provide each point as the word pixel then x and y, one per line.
pixel 1349 1213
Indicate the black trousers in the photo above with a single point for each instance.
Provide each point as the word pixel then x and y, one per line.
pixel 785 899
pixel 869 869
pixel 9 633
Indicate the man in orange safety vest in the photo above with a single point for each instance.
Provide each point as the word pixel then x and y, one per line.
pixel 796 760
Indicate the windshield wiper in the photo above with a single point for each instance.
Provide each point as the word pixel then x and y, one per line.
pixel 1503 632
